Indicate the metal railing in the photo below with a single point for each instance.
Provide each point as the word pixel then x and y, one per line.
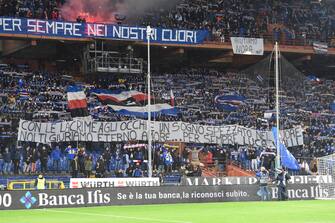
pixel 30 185
pixel 107 63
pixel 299 40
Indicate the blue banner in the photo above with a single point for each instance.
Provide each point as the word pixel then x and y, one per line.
pixel 286 158
pixel 52 28
pixel 332 106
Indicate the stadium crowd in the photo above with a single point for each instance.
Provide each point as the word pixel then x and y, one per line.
pixel 41 96
pixel 290 22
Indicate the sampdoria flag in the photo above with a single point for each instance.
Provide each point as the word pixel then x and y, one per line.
pixel 142 111
pixel 229 102
pixel 287 159
pixel 120 97
pixel 320 48
pixel 24 95
pixel 77 102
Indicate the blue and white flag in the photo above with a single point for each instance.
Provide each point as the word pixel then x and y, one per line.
pixel 320 48
pixel 120 97
pixel 24 95
pixel 313 78
pixel 286 158
pixel 142 111
pixel 229 102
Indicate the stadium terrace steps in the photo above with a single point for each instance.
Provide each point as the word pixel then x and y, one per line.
pixel 211 172
pixel 233 170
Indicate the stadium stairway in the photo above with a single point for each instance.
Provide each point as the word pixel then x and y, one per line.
pixel 211 172
pixel 235 171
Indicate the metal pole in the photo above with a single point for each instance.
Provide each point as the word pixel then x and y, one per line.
pixel 95 55
pixel 277 105
pixel 103 54
pixel 149 30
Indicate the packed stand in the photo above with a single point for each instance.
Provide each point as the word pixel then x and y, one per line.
pixel 31 8
pixel 41 96
pixel 290 22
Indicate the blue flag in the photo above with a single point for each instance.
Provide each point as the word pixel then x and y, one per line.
pixel 286 158
pixel 332 106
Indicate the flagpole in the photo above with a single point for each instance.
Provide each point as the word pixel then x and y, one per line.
pixel 149 30
pixel 277 106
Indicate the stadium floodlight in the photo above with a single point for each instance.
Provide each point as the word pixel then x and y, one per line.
pixel 326 171
pixel 149 33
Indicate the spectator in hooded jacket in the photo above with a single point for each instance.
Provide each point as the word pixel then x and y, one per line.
pixel 56 156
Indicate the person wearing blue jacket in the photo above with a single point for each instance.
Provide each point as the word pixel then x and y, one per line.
pixel 137 172
pixel 168 161
pixel 70 155
pixel 56 155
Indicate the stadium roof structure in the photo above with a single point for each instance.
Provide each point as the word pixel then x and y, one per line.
pixel 167 56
